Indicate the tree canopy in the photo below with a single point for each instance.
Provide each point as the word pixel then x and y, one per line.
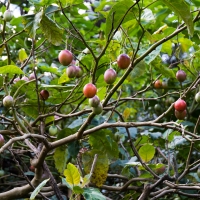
pixel 99 99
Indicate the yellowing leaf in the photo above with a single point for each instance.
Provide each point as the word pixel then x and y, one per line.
pixel 22 55
pixel 72 175
pixel 147 152
pixel 64 78
pixel 126 113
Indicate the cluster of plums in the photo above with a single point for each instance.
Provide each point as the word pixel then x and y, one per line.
pixel 25 78
pixel 110 75
pixel 180 76
pixel 65 57
pixel 180 109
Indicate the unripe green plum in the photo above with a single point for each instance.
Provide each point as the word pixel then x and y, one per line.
pixel 8 15
pixel 97 110
pixel 2 172
pixel 8 101
pixel 197 97
pixel 53 130
pixel 157 107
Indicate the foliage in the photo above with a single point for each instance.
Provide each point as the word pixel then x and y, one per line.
pixel 134 147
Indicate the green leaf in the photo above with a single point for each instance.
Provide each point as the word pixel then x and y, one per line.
pixel 104 141
pixel 47 2
pixel 86 180
pixel 93 194
pixel 165 71
pixel 147 152
pixel 49 69
pixel 138 70
pixel 31 23
pixel 73 149
pixel 38 188
pixel 182 9
pixel 116 15
pixel 10 69
pixel 22 55
pixel 57 86
pixel 60 158
pixel 51 30
pixel 72 175
pixel 78 190
pixel 64 78
pixel 70 2
pixel 148 59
